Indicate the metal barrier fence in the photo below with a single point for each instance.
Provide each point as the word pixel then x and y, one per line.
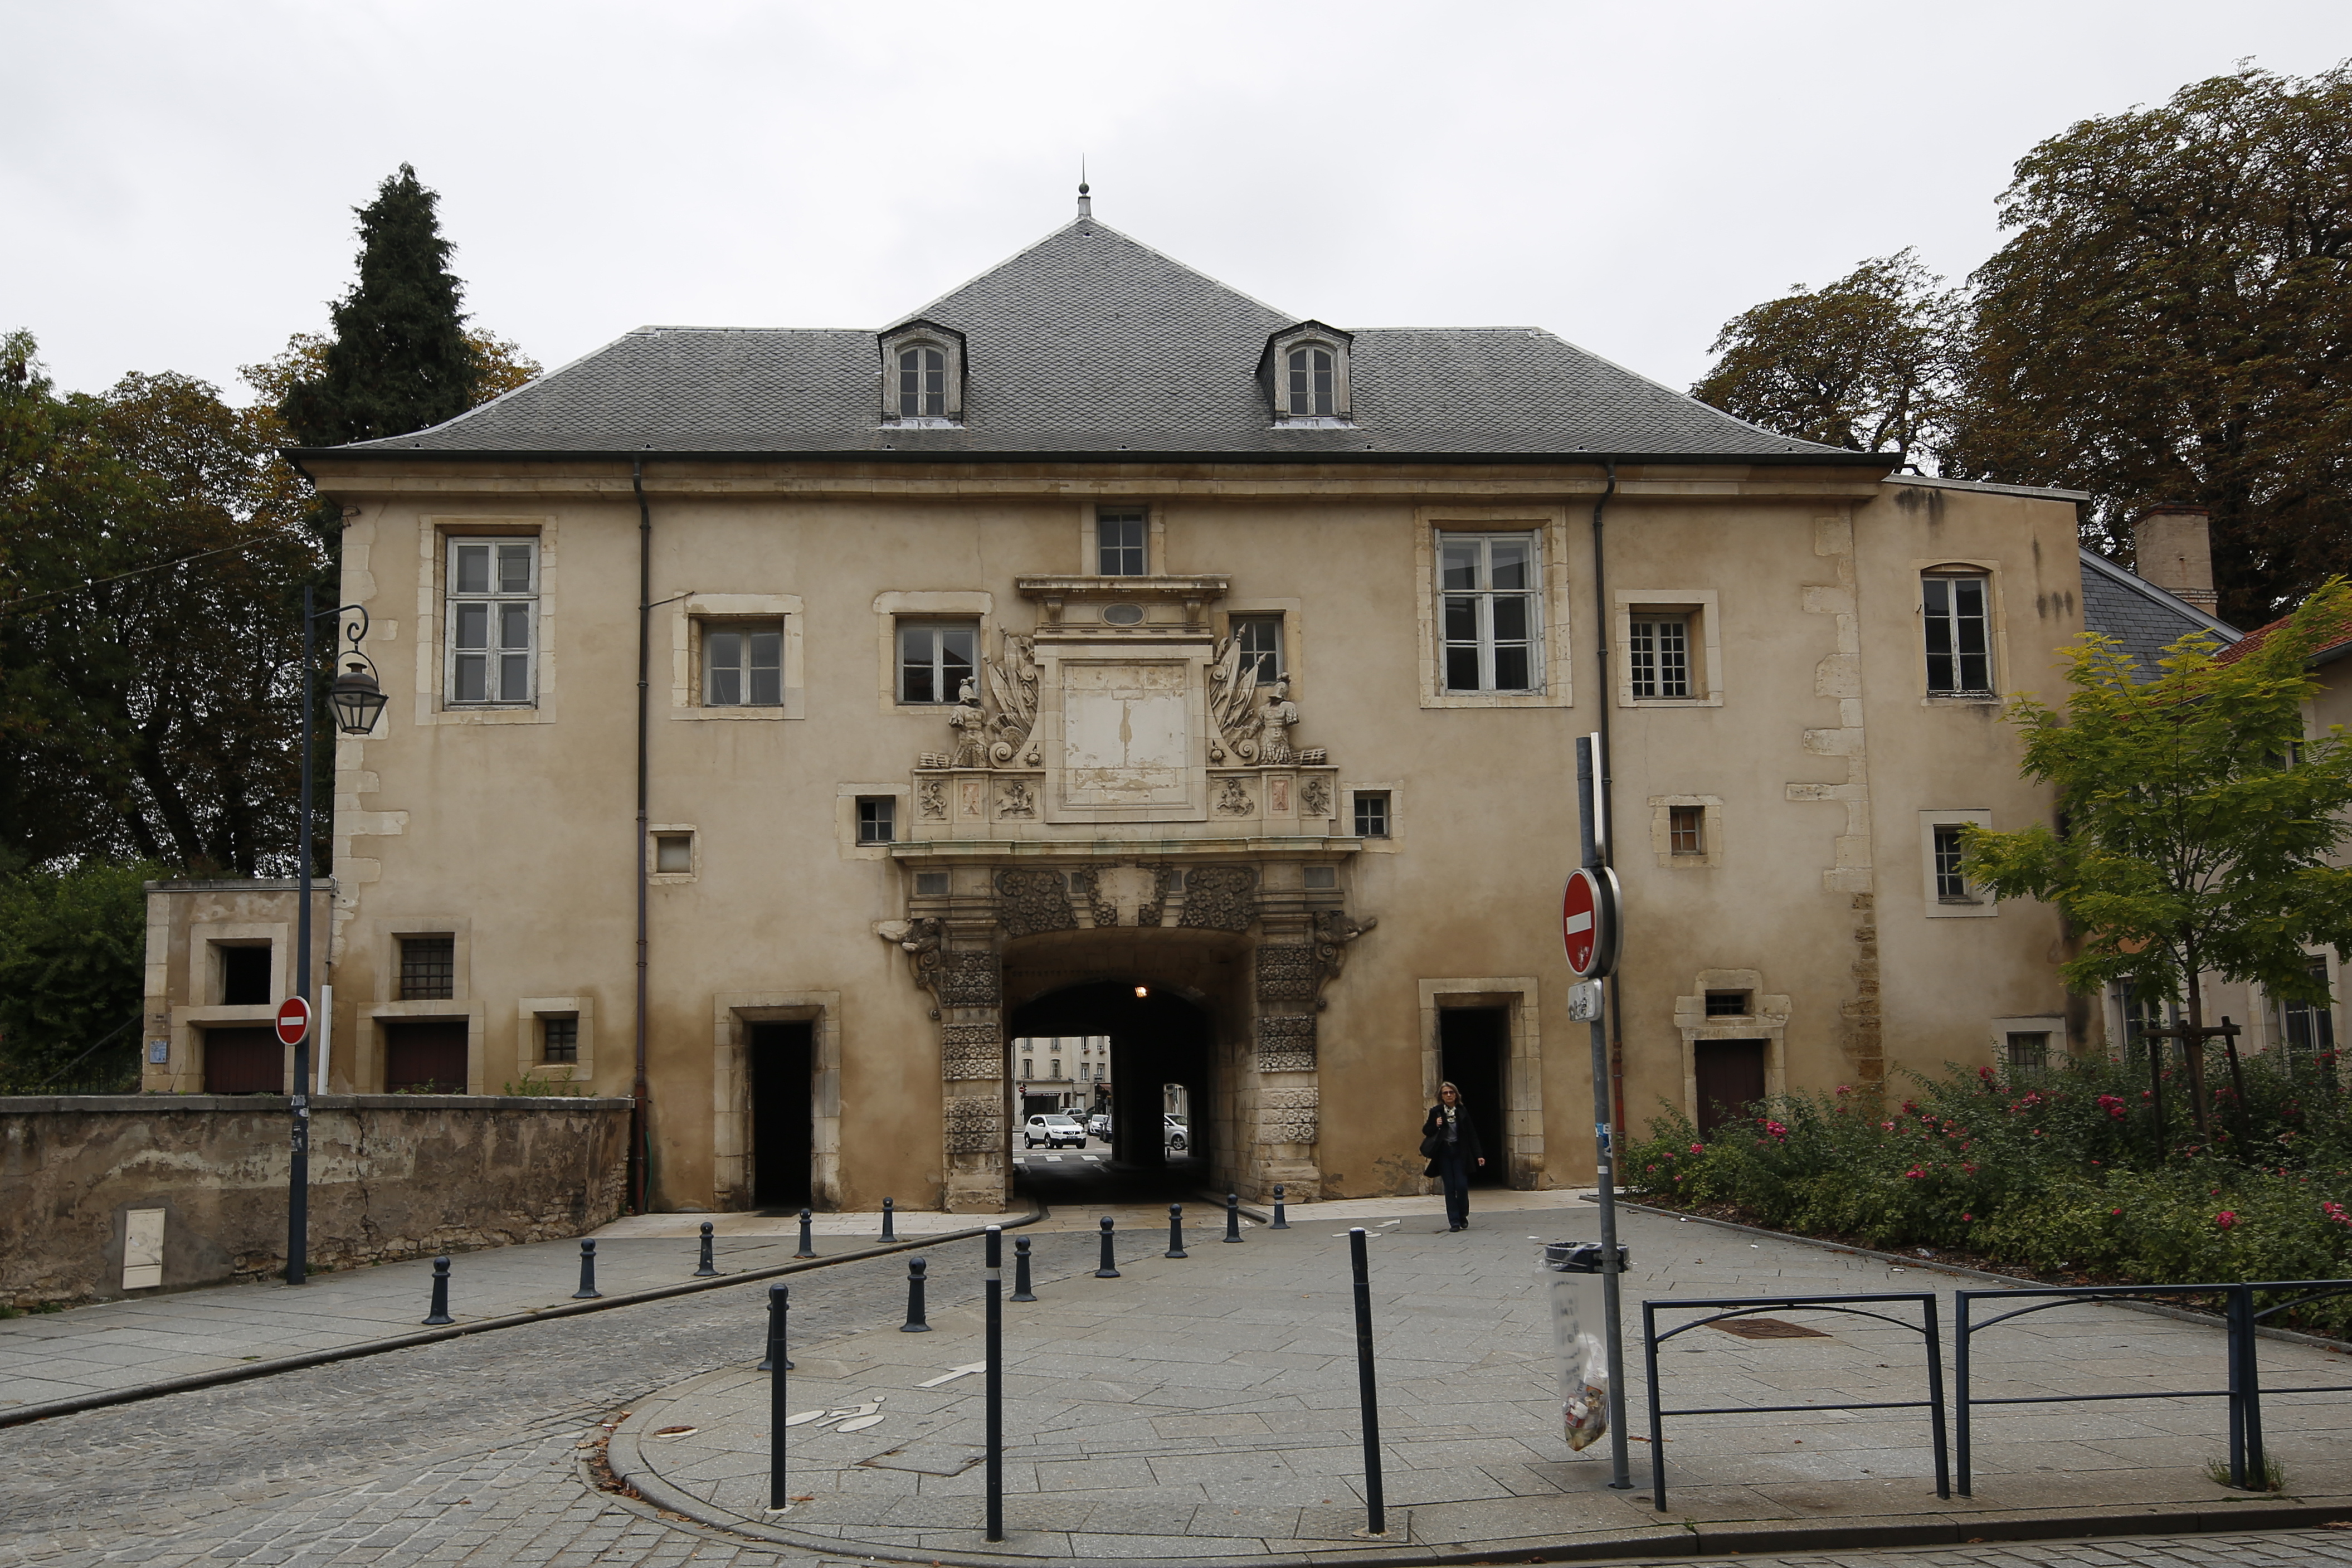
pixel 2250 1376
pixel 1727 1306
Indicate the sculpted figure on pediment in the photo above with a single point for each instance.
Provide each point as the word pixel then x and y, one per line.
pixel 970 729
pixel 1233 688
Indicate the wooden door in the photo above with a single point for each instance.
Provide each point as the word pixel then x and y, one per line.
pixel 424 1057
pixel 1730 1079
pixel 245 1060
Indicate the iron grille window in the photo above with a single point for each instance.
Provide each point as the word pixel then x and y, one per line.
pixel 1658 656
pixel 1260 637
pixel 2029 1054
pixel 493 614
pixel 935 659
pixel 558 1039
pixel 1488 611
pixel 878 819
pixel 1686 829
pixel 1372 813
pixel 1726 1004
pixel 743 665
pixel 1951 885
pixel 922 384
pixel 1120 542
pixel 428 968
pixel 1312 392
pixel 1959 644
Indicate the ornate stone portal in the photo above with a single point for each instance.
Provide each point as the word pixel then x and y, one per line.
pixel 1122 718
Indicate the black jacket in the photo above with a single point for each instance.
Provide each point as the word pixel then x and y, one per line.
pixel 1466 1129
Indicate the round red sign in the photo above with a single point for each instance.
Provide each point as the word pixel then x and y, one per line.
pixel 293 1020
pixel 1587 922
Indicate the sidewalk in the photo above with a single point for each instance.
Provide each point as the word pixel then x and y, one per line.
pixel 114 1346
pixel 1205 1411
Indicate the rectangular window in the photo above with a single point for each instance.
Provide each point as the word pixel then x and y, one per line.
pixel 674 853
pixel 1487 612
pixel 558 1039
pixel 1028 1066
pixel 1726 1004
pixel 1686 829
pixel 1372 813
pixel 1658 653
pixel 1260 637
pixel 1057 1068
pixel 1959 642
pixel 935 659
pixel 1951 886
pixel 2028 1054
pixel 878 819
pixel 743 664
pixel 428 968
pixel 1120 541
pixel 244 976
pixel 2309 1028
pixel 493 621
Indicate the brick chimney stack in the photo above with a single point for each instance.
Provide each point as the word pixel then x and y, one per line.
pixel 2173 548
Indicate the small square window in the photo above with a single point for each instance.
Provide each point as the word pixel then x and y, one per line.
pixel 558 1039
pixel 1120 533
pixel 935 659
pixel 2029 1054
pixel 1686 829
pixel 743 664
pixel 1372 813
pixel 674 853
pixel 1260 640
pixel 1726 1004
pixel 877 819
pixel 428 968
pixel 244 976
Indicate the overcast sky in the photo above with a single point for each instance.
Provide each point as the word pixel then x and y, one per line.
pixel 178 178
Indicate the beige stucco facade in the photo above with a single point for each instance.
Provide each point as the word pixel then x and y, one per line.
pixel 1323 961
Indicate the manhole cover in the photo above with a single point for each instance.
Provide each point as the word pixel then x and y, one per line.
pixel 1767 1329
pixel 929 1458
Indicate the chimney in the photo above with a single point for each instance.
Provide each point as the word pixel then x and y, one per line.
pixel 2172 547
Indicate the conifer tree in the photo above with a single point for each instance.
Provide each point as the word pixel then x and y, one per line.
pixel 400 358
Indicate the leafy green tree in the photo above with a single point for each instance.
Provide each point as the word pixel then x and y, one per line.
pixel 2200 823
pixel 2172 324
pixel 1864 362
pixel 399 359
pixel 73 955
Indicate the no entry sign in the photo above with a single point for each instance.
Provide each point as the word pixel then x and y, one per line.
pixel 1587 922
pixel 293 1021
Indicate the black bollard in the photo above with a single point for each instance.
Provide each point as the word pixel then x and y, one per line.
pixel 915 1324
pixel 1367 1394
pixel 706 1267
pixel 1233 1216
pixel 775 1367
pixel 1110 1269
pixel 808 1244
pixel 1279 1223
pixel 1021 1291
pixel 889 1219
pixel 587 1291
pixel 994 1356
pixel 440 1313
pixel 1175 1231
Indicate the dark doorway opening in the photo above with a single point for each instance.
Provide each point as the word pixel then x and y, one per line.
pixel 782 1113
pixel 1473 1049
pixel 244 1061
pixel 1157 1039
pixel 245 978
pixel 1730 1079
pixel 427 1055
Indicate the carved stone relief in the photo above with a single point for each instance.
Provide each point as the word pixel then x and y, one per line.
pixel 1100 901
pixel 1149 912
pixel 1233 800
pixel 1334 929
pixel 973 1126
pixel 971 1051
pixel 1289 972
pixel 1015 799
pixel 933 796
pixel 1286 1043
pixel 970 980
pixel 1315 795
pixel 1013 682
pixel 970 729
pixel 1217 898
pixel 1290 1115
pixel 1233 688
pixel 1035 900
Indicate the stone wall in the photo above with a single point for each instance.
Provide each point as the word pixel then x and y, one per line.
pixel 392 1176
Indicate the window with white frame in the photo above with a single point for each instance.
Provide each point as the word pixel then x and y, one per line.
pixel 1313 385
pixel 922 382
pixel 1260 639
pixel 493 622
pixel 1488 611
pixel 1658 655
pixel 1957 626
pixel 2307 1029
pixel 743 664
pixel 1951 851
pixel 1122 537
pixel 935 659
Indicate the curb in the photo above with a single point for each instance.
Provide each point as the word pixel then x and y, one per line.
pixel 21 1414
pixel 2015 1281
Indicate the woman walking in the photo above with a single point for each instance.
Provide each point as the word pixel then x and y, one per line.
pixel 1450 1139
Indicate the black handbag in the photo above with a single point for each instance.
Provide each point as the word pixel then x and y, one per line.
pixel 1431 1144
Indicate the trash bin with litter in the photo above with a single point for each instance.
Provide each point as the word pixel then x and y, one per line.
pixel 1571 1276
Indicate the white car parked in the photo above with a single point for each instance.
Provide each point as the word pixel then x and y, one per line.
pixel 1054 1130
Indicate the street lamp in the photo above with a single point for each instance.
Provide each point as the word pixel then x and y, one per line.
pixel 357 697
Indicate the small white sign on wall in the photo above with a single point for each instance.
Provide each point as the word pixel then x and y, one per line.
pixel 142 1249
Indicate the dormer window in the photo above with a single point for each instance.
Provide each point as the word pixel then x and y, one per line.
pixel 1305 373
pixel 922 375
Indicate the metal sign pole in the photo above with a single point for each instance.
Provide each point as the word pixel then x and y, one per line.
pixel 1604 1153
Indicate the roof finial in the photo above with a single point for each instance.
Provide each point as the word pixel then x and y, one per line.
pixel 1086 202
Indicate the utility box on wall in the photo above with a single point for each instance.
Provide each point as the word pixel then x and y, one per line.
pixel 142 1249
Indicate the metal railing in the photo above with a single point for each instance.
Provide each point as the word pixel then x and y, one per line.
pixel 2248 1365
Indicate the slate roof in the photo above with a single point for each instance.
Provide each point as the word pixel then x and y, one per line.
pixel 2144 617
pixel 1090 344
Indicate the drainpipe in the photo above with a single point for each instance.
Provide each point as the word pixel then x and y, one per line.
pixel 1604 803
pixel 640 1128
